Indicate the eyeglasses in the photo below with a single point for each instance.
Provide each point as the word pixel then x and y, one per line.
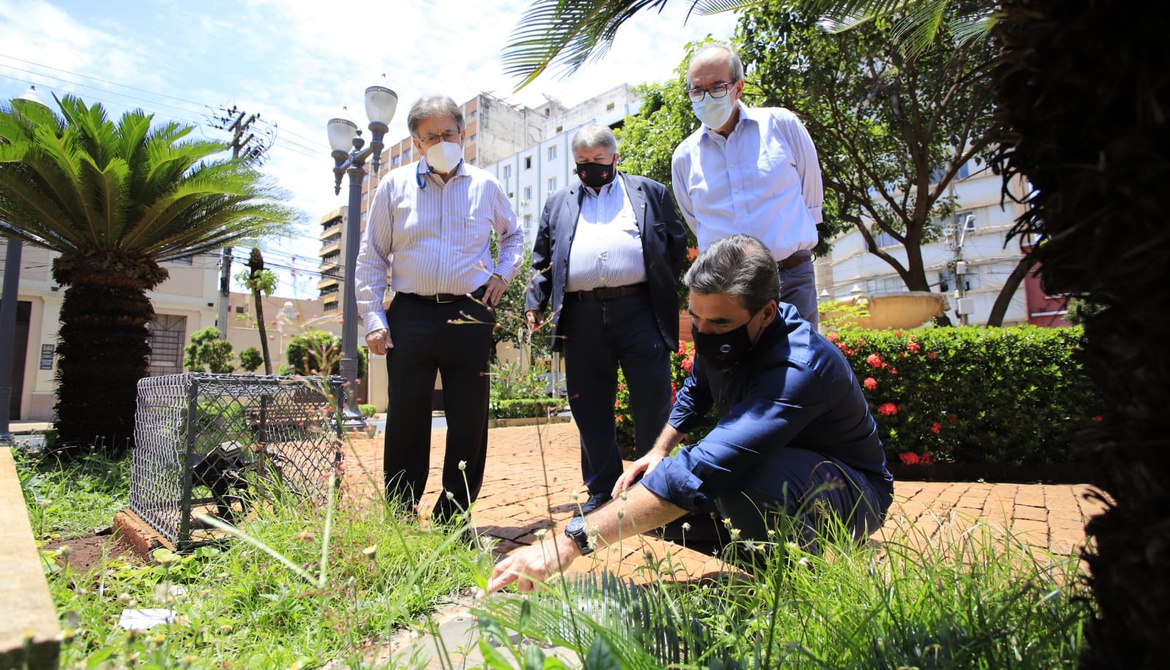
pixel 716 91
pixel 449 136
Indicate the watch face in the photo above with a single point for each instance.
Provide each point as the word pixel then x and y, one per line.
pixel 575 525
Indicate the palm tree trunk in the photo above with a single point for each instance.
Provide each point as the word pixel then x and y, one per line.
pixel 104 348
pixel 1004 299
pixel 263 330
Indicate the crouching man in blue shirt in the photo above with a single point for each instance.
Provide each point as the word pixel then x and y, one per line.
pixel 795 436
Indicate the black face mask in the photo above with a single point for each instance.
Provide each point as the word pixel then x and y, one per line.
pixel 722 350
pixel 596 175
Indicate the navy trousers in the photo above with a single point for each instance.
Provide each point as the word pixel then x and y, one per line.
pixel 598 336
pixel 454 340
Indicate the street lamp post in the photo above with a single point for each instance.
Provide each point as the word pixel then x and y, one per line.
pixel 381 103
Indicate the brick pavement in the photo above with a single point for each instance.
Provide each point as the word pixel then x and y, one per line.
pixel 533 473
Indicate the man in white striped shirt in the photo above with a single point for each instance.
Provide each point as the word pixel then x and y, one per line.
pixel 429 234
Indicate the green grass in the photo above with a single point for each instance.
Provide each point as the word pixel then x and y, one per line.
pixel 943 593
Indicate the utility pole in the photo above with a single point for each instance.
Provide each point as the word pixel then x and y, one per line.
pixel 959 266
pixel 244 143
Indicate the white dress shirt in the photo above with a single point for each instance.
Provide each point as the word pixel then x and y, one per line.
pixel 607 246
pixel 763 180
pixel 434 239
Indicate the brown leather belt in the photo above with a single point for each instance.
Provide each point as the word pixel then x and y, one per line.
pixel 794 260
pixel 444 298
pixel 607 292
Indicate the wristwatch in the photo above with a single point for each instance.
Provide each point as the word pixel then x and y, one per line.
pixel 577 533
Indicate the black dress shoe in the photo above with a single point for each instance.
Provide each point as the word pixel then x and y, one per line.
pixel 595 500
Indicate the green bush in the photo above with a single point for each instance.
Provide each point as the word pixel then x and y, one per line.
pixel 975 395
pixel 518 393
pixel 367 410
pixel 251 359
pixel 317 350
pixel 1008 396
pixel 208 352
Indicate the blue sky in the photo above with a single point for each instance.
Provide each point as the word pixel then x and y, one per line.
pixel 297 63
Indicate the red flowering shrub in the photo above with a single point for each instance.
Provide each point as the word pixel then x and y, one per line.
pixel 681 362
pixel 1004 395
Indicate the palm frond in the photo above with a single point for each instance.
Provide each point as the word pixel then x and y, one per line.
pixel 643 626
pixel 566 34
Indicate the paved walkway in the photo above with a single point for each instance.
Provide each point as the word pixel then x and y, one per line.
pixel 533 474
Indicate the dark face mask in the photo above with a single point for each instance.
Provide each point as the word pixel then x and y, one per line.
pixel 596 175
pixel 722 350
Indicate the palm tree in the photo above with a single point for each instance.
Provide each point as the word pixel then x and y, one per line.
pixel 115 200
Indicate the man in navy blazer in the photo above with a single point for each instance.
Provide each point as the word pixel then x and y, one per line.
pixel 606 260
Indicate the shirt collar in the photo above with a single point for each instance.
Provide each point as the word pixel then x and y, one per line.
pixel 605 190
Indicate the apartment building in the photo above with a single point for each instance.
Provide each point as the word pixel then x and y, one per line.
pixel 969 263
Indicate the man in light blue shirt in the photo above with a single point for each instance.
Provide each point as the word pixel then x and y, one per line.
pixel 752 171
pixel 430 230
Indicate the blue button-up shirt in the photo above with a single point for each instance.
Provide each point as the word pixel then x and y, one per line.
pixel 794 388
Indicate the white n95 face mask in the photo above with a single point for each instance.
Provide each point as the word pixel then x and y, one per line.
pixel 444 156
pixel 713 112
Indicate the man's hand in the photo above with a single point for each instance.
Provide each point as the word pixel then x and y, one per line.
pixel 639 468
pixel 535 319
pixel 494 290
pixel 530 565
pixel 379 341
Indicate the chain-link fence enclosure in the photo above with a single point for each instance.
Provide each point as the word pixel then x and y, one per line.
pixel 209 443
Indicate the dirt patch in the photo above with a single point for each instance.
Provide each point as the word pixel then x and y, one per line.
pixel 89 551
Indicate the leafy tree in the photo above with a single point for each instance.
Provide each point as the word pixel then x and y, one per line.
pixel 511 323
pixel 258 280
pixel 318 352
pixel 208 353
pixel 250 359
pixel 891 132
pixel 115 200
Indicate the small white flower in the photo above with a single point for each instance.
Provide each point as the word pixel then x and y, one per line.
pixel 686 526
pixel 576 496
pixel 540 533
pixel 462 465
pixel 803 562
pixel 735 533
pixel 450 495
pixel 727 523
pixel 749 545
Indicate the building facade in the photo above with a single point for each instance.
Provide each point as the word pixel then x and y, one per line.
pixel 184 303
pixel 969 263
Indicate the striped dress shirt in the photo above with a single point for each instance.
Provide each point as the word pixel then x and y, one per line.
pixel 434 239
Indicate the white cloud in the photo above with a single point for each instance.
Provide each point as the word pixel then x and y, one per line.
pixel 297 62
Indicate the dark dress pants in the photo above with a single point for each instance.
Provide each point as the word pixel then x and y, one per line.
pixel 796 490
pixel 598 337
pixel 455 340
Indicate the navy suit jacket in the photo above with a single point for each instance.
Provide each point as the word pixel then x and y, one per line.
pixel 664 247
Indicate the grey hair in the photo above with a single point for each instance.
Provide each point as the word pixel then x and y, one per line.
pixel 429 107
pixel 739 266
pixel 589 137
pixel 733 60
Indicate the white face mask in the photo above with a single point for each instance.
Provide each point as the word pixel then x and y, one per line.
pixel 713 112
pixel 444 156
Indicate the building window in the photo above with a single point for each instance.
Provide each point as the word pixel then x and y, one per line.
pixel 528 162
pixel 507 171
pixel 560 129
pixel 972 280
pixel 966 220
pixel 944 281
pixel 473 114
pixel 166 344
pixel 527 192
pixel 552 153
pixel 472 138
pixel 883 239
pixel 609 107
pixel 398 160
pixel 552 184
pixel 511 195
